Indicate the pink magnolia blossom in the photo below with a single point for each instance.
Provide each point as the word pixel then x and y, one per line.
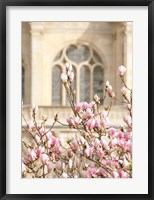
pixel 104 122
pixel 70 121
pixel 82 140
pixel 37 138
pixel 44 159
pixel 121 70
pixel 109 90
pixel 61 141
pixel 70 152
pixel 49 167
pixel 114 142
pixel 74 144
pixel 30 126
pixel 97 124
pixel 88 113
pixel 92 105
pixel 58 164
pixel 39 126
pixel 40 150
pixel 87 152
pixel 112 132
pixel 104 144
pixel 91 123
pixel 57 147
pixel 78 107
pixel 77 121
pixel 52 142
pixel 120 135
pixel 92 171
pixel 26 159
pixel 96 142
pixel 85 105
pixel 115 174
pixel 104 114
pixel 49 135
pixel 32 154
pixel 42 130
pixel 128 120
pixel 123 174
pixel 100 153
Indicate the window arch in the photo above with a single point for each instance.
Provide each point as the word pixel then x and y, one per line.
pixel 88 70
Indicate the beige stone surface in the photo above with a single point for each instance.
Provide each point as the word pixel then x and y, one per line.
pixel 42 41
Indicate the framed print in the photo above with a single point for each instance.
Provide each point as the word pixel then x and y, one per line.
pixel 76 99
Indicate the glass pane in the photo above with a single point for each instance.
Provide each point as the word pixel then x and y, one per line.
pixel 74 82
pixel 78 54
pixel 56 86
pixel 98 81
pixel 84 84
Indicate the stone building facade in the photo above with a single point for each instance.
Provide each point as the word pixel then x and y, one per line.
pixel 95 49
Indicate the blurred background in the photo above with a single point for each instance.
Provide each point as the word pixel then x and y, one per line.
pixel 95 50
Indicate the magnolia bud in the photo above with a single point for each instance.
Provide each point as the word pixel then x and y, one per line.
pixel 64 175
pixel 35 108
pixel 71 76
pixel 44 159
pixel 96 98
pixel 70 163
pixel 104 144
pixel 91 123
pixel 68 67
pixel 64 78
pixel 107 83
pixel 32 155
pixel 37 138
pixel 121 70
pixel 49 166
pixel 109 90
pixel 128 120
pixel 123 90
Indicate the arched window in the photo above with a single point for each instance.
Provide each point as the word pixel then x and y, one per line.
pixel 88 71
pixel 56 86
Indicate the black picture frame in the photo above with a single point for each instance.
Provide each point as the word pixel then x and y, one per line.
pixel 3 108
